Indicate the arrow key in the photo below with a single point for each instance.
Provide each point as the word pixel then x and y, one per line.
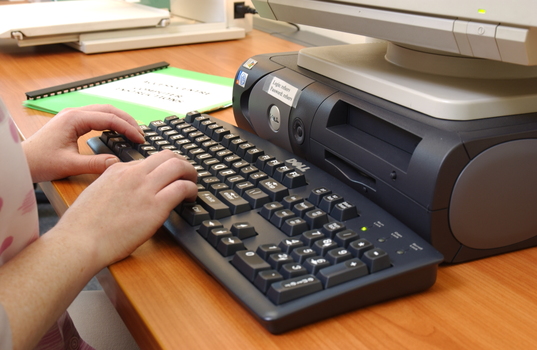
pixel 228 246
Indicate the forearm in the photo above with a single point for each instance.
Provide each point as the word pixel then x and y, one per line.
pixel 39 284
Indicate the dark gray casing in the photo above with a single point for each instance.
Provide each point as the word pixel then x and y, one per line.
pixel 468 187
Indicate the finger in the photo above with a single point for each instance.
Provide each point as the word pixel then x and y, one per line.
pixel 153 161
pixel 93 164
pixel 106 108
pixel 98 120
pixel 177 192
pixel 171 170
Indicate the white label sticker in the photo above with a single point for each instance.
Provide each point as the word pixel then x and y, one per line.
pixel 283 91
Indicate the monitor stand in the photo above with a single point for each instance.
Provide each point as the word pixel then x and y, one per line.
pixel 441 86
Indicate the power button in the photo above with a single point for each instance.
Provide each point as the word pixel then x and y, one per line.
pixel 274 118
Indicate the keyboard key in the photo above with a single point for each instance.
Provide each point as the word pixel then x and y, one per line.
pixel 345 237
pixel 316 218
pixel 291 289
pixel 213 205
pixel 265 278
pixel 216 234
pixel 236 203
pixel 216 187
pixel 247 170
pixel 287 245
pixel 359 247
pixel 214 150
pixel 315 264
pixel 237 166
pixel 190 116
pixel 277 260
pixel 300 209
pixel 329 201
pixel 193 213
pixel 228 138
pixel 280 172
pixel 233 158
pixel 257 177
pixel 252 154
pixel 317 194
pixel 290 201
pixel 218 134
pixel 256 197
pixel 376 259
pixel 249 263
pixel 294 179
pixel 207 225
pixel 235 143
pixel 300 254
pixel 243 230
pixel 228 246
pixel 292 270
pixel 271 165
pixel 241 187
pixel 209 129
pixel 261 160
pixel 243 148
pixel 311 236
pixel 269 209
pixel 342 272
pixel 344 211
pixel 274 189
pixel 231 181
pixel 199 119
pixel 106 135
pixel 204 124
pixel 332 228
pixel 279 217
pixel 322 246
pixel 224 174
pixel 154 125
pixel 265 250
pixel 338 255
pixel 208 180
pixel 294 226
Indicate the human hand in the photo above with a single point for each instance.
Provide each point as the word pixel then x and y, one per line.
pixel 52 152
pixel 126 205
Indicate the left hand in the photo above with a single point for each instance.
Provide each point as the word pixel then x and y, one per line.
pixel 52 152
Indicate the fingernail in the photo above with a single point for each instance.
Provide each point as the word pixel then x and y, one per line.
pixel 111 161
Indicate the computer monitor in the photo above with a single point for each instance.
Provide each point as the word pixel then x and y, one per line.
pixel 457 60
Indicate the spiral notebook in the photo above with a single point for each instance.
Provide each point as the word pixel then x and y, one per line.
pixel 147 93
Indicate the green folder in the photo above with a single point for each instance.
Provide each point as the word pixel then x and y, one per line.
pixel 213 92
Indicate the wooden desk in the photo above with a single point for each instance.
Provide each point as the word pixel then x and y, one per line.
pixel 169 302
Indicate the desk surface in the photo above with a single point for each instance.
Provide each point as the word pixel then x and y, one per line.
pixel 169 302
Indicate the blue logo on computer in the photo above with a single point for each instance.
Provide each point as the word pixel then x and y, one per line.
pixel 241 78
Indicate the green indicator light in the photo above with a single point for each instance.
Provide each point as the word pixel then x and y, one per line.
pixel 482 11
pixel 364 228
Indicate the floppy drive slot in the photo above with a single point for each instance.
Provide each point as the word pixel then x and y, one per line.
pixel 352 173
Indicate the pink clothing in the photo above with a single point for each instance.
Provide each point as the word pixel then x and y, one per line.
pixel 19 225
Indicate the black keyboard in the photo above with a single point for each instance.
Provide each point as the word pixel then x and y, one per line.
pixel 291 243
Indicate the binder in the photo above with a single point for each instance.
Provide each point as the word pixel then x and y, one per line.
pixel 190 90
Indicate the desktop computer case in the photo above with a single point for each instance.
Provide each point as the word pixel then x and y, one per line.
pixel 468 187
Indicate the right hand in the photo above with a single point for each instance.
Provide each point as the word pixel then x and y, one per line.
pixel 127 204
